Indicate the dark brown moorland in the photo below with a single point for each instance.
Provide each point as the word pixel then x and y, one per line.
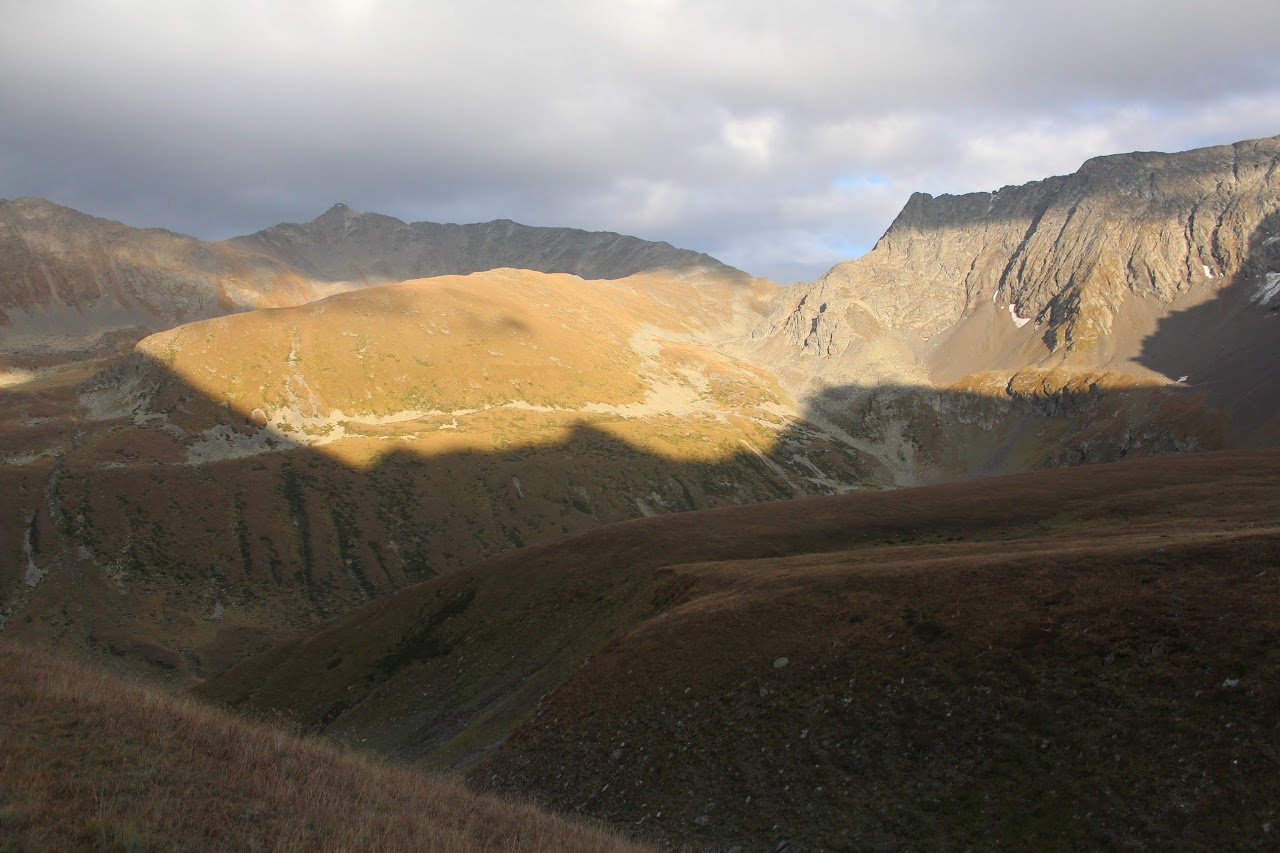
pixel 1084 658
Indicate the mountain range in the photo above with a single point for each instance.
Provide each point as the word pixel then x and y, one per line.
pixel 73 284
pixel 580 515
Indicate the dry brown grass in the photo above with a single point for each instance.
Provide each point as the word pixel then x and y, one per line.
pixel 1067 660
pixel 90 762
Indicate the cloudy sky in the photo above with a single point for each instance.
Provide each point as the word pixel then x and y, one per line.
pixel 780 137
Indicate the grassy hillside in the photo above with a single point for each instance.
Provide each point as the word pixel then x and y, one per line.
pixel 239 480
pixel 1066 659
pixel 90 762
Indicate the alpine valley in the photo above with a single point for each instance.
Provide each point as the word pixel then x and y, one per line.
pixel 615 527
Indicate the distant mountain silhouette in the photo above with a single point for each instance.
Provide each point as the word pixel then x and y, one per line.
pixel 346 245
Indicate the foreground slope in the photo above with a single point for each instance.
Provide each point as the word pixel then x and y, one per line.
pixel 1073 658
pixel 91 762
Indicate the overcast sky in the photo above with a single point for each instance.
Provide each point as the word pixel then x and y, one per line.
pixel 779 136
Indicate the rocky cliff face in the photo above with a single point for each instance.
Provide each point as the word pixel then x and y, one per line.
pixel 369 248
pixel 1071 264
pixel 1152 280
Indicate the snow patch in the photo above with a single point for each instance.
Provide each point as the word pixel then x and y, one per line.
pixel 1269 289
pixel 1208 273
pixel 1017 321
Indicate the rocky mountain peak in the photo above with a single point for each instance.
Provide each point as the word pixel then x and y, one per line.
pixel 1069 257
pixel 339 213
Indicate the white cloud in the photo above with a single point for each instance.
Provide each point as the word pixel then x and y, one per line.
pixel 737 128
pixel 752 138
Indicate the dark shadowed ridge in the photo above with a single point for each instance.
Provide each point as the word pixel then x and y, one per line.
pixel 347 245
pixel 923 663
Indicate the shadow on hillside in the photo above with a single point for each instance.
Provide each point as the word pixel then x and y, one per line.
pixel 1229 347
pixel 193 566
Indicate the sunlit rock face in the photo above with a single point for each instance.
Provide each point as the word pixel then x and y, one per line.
pixel 1139 271
pixel 1074 263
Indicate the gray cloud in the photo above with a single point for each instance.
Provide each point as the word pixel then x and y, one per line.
pixel 779 137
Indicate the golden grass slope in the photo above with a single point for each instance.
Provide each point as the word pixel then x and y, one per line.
pixel 91 762
pixel 412 360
